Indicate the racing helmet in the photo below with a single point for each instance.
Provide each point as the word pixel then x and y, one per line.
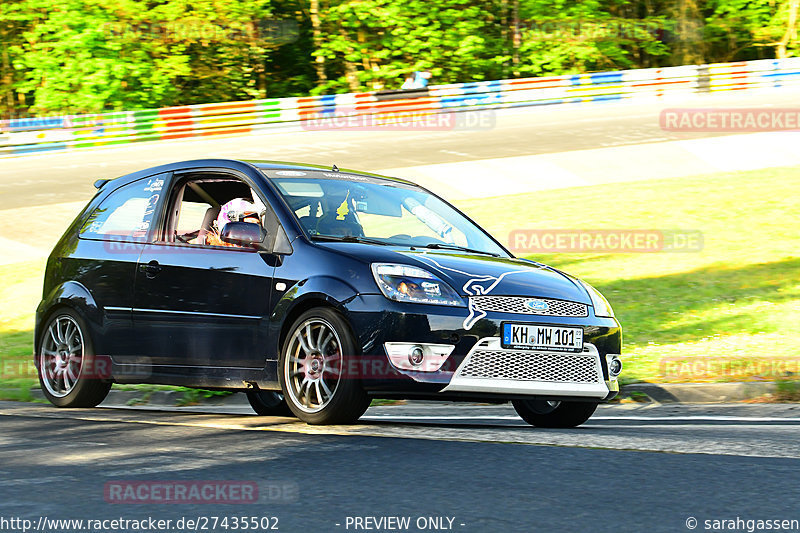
pixel 238 209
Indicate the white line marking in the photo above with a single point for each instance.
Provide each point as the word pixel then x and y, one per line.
pixel 386 418
pixel 711 418
pixel 513 433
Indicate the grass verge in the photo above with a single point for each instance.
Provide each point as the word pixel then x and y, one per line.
pixel 738 297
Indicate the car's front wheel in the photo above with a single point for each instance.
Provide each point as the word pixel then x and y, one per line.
pixel 554 414
pixel 70 373
pixel 313 361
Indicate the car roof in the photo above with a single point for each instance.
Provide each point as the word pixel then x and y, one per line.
pixel 282 165
pixel 237 164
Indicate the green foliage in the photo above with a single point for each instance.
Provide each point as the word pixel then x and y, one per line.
pixel 787 391
pixel 564 37
pixel 742 29
pixel 85 56
pixel 82 57
pixel 385 40
pixel 196 396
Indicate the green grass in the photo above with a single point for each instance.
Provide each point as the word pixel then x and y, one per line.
pixel 787 391
pixel 739 296
pixel 20 292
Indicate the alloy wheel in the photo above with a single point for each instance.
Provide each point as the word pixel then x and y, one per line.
pixel 62 356
pixel 313 365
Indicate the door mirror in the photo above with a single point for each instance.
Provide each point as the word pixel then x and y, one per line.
pixel 245 234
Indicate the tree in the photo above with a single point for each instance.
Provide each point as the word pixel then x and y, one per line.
pixel 15 19
pixel 373 44
pixel 86 56
pixel 790 34
pixel 562 36
pixel 752 29
pixel 81 57
pixel 319 59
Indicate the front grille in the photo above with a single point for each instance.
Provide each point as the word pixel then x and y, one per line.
pixel 517 304
pixel 532 366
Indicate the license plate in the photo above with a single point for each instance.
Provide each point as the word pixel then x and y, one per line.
pixel 536 337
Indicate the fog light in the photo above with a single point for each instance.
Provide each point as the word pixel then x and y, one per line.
pixel 416 356
pixel 419 357
pixel 614 365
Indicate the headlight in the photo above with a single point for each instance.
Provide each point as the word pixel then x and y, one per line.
pixel 601 306
pixel 404 283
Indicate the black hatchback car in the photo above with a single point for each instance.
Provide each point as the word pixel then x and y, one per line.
pixel 313 290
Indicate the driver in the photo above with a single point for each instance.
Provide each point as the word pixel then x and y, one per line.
pixel 340 218
pixel 237 210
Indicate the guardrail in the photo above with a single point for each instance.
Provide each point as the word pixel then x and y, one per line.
pixel 34 135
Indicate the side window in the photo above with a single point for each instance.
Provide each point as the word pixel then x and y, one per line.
pixel 201 206
pixel 191 217
pixel 128 213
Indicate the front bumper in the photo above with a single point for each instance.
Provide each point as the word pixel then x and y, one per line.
pixel 489 368
pixel 479 368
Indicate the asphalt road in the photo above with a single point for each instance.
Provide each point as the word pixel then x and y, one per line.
pixel 52 178
pixel 631 468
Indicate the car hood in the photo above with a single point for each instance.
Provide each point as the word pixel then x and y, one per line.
pixel 473 275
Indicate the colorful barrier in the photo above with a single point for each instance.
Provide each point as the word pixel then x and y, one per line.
pixel 34 135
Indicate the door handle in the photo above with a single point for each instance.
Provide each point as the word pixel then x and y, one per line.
pixel 152 269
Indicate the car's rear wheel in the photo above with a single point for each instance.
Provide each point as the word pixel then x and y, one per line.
pixel 313 360
pixel 554 414
pixel 69 371
pixel 268 403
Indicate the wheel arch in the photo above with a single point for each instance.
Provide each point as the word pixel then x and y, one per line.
pixel 312 301
pixel 71 295
pixel 317 291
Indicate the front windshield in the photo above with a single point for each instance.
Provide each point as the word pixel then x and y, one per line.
pixel 350 207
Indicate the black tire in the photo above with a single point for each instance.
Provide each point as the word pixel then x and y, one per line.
pixel 544 414
pixel 87 386
pixel 347 400
pixel 268 403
